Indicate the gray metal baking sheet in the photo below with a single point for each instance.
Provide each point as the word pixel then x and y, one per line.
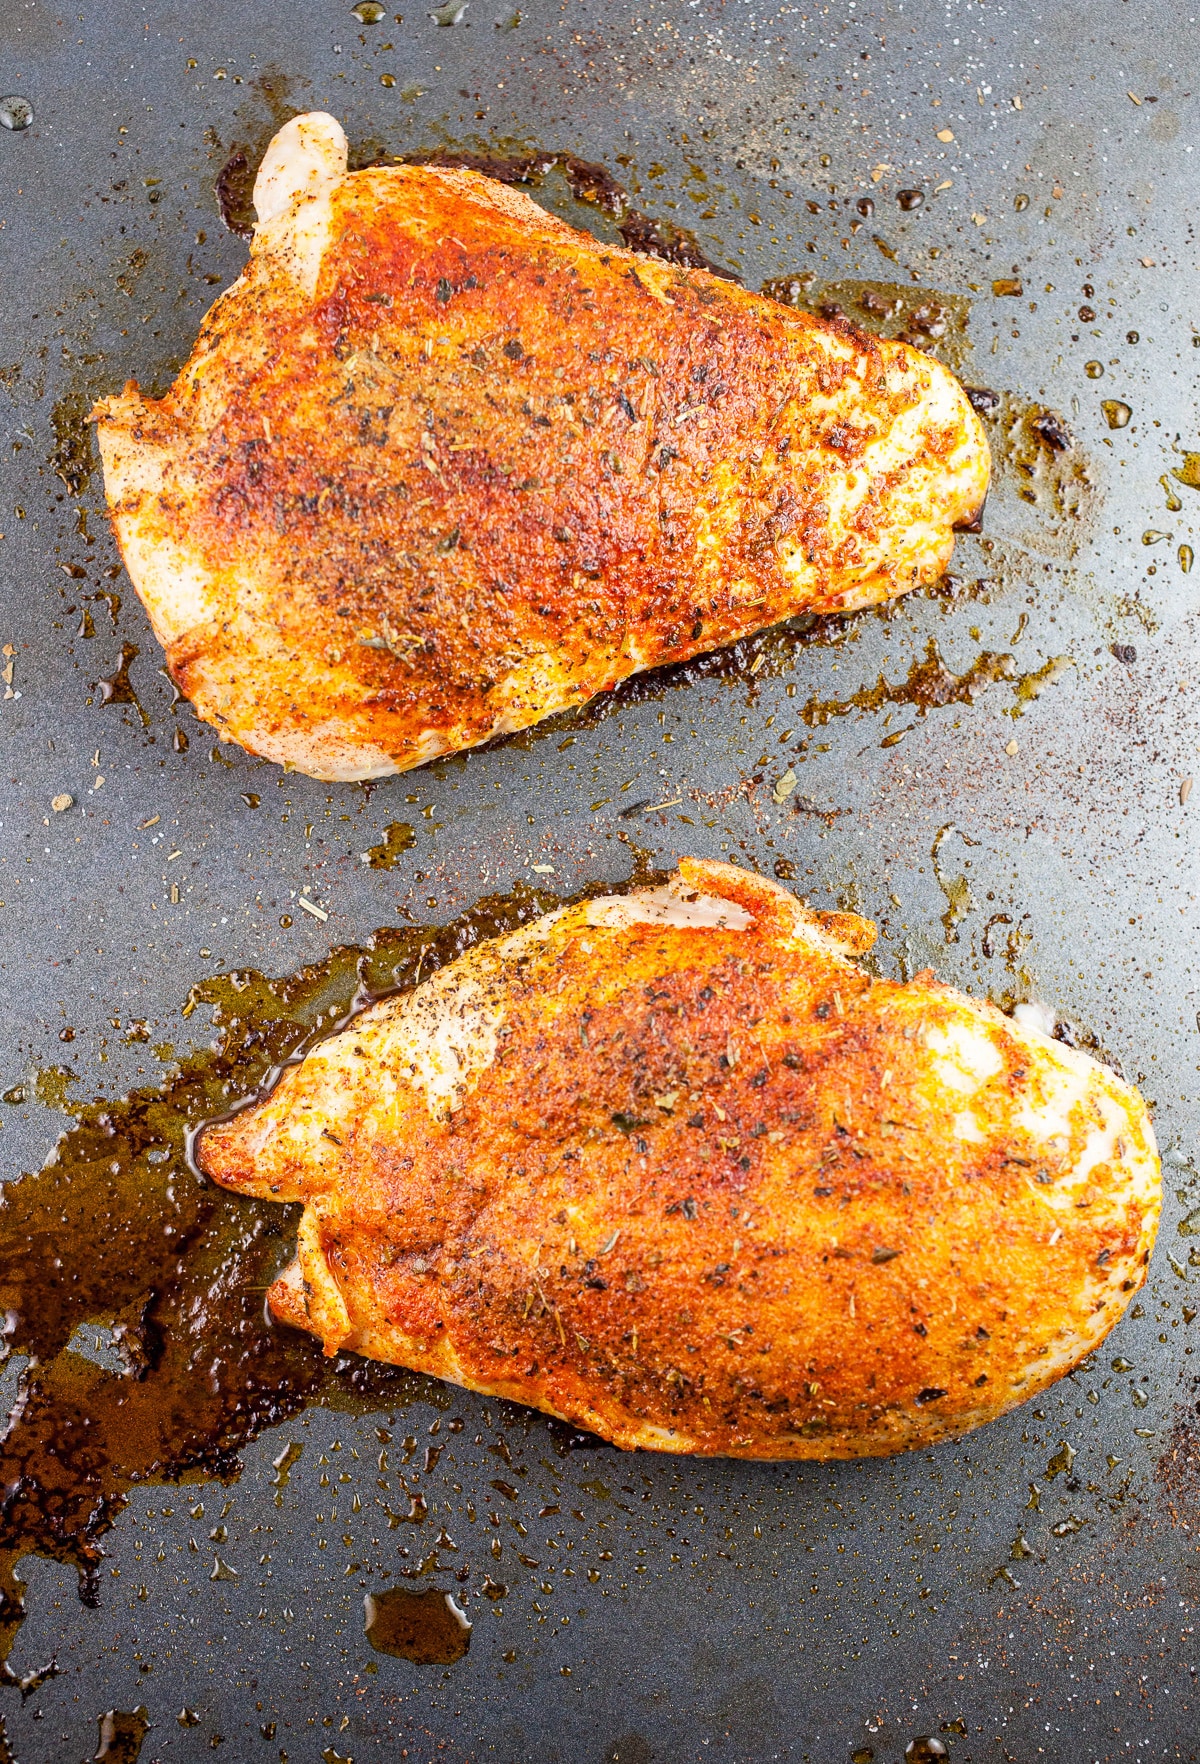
pixel 679 1610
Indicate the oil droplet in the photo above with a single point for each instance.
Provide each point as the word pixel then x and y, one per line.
pixel 1173 503
pixel 1188 473
pixel 118 688
pixel 862 1755
pixel 121 1735
pixel 73 458
pixel 367 11
pixel 399 837
pixel 925 1746
pixel 16 113
pixel 957 890
pixel 426 1627
pixel 910 199
pixel 1152 536
pixel 451 13
pixel 1116 413
pixel 285 919
pixel 1020 202
pixel 1094 370
pixel 388 80
pixel 1186 559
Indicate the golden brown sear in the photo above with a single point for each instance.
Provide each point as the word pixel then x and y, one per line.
pixel 440 465
pixel 671 1166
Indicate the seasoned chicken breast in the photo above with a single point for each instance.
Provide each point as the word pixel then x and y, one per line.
pixel 671 1166
pixel 440 465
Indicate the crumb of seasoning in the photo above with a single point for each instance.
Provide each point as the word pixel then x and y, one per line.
pixel 62 801
pixel 539 869
pixel 152 822
pixel 1185 790
pixel 945 134
pixel 310 907
pixel 1012 748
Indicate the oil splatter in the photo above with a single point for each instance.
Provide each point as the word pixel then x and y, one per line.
pixel 117 687
pixel 1031 686
pixel 121 1734
pixel 1188 473
pixel 933 322
pixel 400 837
pixel 1036 460
pixel 426 1627
pixel 956 888
pixel 930 683
pixel 73 456
pixel 176 1266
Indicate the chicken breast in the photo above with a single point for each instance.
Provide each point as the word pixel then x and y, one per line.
pixel 440 465
pixel 671 1166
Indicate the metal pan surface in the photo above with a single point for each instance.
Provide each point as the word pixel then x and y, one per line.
pixel 999 772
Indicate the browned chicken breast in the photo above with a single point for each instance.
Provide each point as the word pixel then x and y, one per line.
pixel 671 1166
pixel 440 465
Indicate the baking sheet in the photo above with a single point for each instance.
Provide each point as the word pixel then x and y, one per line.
pixel 695 1610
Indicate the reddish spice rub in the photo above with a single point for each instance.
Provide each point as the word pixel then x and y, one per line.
pixel 440 465
pixel 674 1168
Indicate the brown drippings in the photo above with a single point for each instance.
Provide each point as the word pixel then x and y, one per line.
pixel 1035 455
pixel 235 194
pixel 73 457
pixel 593 185
pixel 271 92
pixel 121 1734
pixel 117 688
pixel 118 1228
pixel 400 837
pixel 762 655
pixel 426 1627
pixel 930 683
pixel 933 322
